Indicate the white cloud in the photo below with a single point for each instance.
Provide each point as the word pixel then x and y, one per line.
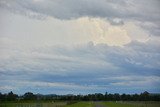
pixel 89 43
pixel 7 88
pixel 78 31
pixel 142 11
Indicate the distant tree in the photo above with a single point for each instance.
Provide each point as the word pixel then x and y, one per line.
pixel 110 97
pixel 144 96
pixel 128 97
pixel 155 97
pixel 99 96
pixel 29 96
pixel 2 97
pixel 85 98
pixel 116 97
pixel 11 96
pixel 106 96
pixel 135 97
pixel 79 97
pixel 123 97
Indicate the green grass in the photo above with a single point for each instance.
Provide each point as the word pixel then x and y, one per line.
pixel 114 104
pixel 81 104
pixel 49 104
pixel 145 104
pixel 132 104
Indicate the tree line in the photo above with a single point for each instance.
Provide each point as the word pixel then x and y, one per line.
pixel 29 96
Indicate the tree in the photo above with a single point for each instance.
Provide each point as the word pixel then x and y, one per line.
pixel 106 96
pixel 135 97
pixel 116 97
pixel 99 96
pixel 11 96
pixel 144 96
pixel 110 97
pixel 123 97
pixel 29 96
pixel 2 97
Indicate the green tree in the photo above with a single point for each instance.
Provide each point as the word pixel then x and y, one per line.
pixel 29 96
pixel 11 96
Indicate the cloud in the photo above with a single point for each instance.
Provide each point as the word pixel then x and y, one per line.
pixel 132 80
pixel 83 65
pixel 6 88
pixel 116 21
pixel 78 45
pixel 81 30
pixel 73 9
pixel 76 31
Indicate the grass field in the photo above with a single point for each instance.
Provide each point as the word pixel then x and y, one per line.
pixel 83 104
pixel 114 104
pixel 132 104
pixel 144 104
pixel 55 104
pixel 49 104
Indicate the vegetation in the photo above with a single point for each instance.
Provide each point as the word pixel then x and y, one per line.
pixel 132 104
pixel 29 99
pixel 115 104
pixel 81 104
pixel 145 96
pixel 38 104
pixel 84 104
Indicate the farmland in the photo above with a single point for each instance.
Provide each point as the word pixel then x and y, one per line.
pixel 83 104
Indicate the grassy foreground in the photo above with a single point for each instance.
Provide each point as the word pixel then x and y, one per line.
pixel 114 104
pixel 83 104
pixel 132 104
pixel 48 104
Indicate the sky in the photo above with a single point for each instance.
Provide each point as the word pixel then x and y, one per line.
pixel 79 46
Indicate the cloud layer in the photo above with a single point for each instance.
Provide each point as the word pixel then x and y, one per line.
pixel 79 46
pixel 147 13
pixel 93 68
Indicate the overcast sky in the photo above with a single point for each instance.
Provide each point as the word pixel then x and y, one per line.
pixel 79 46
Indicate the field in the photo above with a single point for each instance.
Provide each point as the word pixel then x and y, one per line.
pixel 83 104
pixel 48 104
pixel 132 104
pixel 144 104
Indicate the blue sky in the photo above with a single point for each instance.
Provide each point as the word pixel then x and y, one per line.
pixel 79 46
